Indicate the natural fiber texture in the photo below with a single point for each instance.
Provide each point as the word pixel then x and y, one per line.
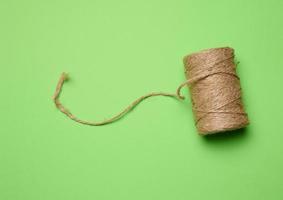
pixel 215 91
pixel 64 110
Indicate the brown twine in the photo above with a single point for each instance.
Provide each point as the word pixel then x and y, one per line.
pixel 64 110
pixel 215 93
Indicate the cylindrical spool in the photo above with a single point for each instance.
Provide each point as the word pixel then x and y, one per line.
pixel 215 91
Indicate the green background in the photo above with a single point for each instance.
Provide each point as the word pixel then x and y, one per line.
pixel 115 51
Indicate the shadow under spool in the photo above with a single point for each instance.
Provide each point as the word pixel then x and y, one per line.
pixel 215 91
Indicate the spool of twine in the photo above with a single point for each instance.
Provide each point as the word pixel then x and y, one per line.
pixel 215 93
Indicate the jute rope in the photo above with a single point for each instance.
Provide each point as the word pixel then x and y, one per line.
pixel 215 93
pixel 216 97
pixel 116 117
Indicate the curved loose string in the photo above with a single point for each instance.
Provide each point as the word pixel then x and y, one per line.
pixel 64 110
pixel 116 117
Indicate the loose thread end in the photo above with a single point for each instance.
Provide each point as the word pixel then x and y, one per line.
pixel 65 76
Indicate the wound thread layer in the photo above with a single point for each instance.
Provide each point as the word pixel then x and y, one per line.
pixel 215 91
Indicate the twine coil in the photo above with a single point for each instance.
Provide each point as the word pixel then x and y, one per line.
pixel 215 91
pixel 214 87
